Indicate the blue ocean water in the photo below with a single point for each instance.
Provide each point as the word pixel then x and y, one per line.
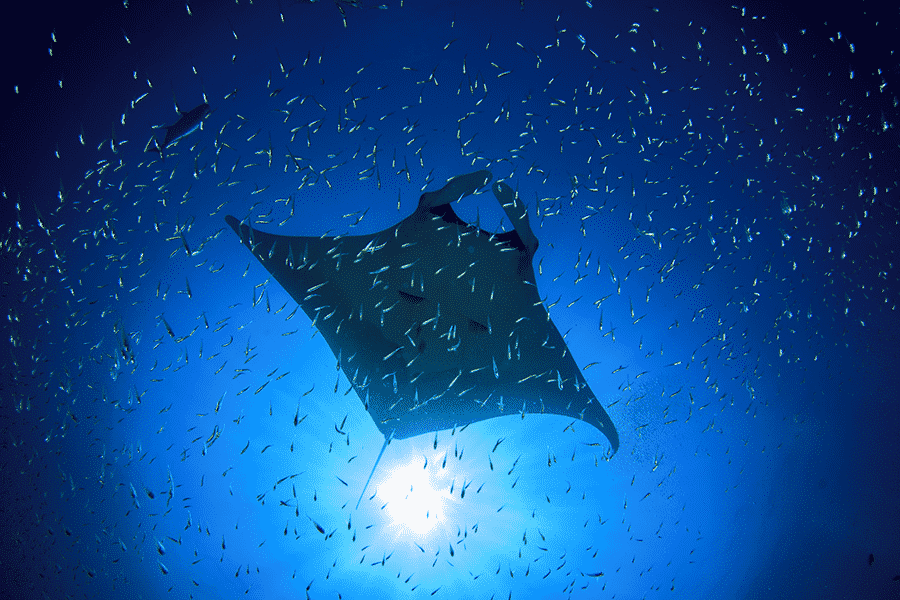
pixel 714 190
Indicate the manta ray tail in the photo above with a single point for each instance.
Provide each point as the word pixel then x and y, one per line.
pixel 387 441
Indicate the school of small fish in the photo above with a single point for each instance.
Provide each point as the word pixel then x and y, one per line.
pixel 173 427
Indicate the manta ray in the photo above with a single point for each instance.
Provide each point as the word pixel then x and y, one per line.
pixel 435 322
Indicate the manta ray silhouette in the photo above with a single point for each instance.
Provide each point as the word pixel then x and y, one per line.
pixel 435 322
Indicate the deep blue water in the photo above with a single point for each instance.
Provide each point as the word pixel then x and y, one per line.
pixel 714 190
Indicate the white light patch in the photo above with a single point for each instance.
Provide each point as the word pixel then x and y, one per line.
pixel 413 498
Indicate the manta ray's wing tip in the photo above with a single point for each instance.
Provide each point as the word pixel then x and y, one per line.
pixel 609 430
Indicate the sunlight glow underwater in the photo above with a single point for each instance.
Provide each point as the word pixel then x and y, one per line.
pixel 417 498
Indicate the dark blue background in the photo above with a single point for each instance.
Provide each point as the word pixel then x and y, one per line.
pixel 757 405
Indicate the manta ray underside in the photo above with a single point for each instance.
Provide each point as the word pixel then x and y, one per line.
pixel 435 322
